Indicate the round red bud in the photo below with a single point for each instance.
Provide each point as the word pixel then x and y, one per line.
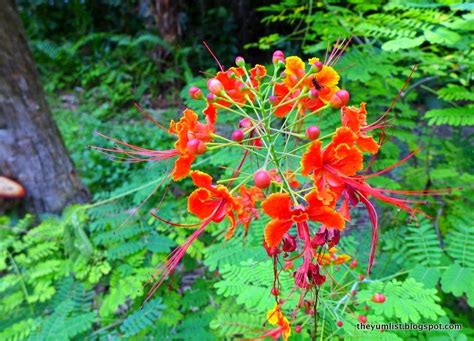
pixel 272 99
pixel 240 61
pixel 262 179
pixel 275 291
pixel 215 86
pixel 353 264
pixel 211 97
pixel 288 265
pixel 318 66
pixel 340 99
pixel 339 324
pixel 354 292
pixel 313 132
pixel 196 146
pixel 378 298
pixel 278 56
pixel 361 277
pixel 362 319
pixel 237 135
pixel 298 328
pixel 195 92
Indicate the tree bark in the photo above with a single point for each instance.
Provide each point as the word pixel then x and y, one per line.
pixel 31 148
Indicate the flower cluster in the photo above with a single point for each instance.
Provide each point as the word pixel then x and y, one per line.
pixel 306 184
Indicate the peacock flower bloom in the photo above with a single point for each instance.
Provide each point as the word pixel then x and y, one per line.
pixel 248 198
pixel 192 136
pixel 285 214
pixel 356 119
pixel 257 73
pixel 276 318
pixel 294 71
pixel 328 167
pixel 325 82
pixel 281 100
pixel 213 202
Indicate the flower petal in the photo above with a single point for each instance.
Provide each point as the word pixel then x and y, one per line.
pixel 277 205
pixel 201 179
pixel 311 159
pixel 275 230
pixel 200 203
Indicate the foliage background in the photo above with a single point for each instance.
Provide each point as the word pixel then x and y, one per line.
pixel 81 275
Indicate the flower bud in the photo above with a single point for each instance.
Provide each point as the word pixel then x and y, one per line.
pixel 257 143
pixel 215 86
pixel 289 243
pixel 262 179
pixel 313 132
pixel 278 56
pixel 362 319
pixel 361 277
pixel 275 291
pixel 340 99
pixel 195 92
pixel 272 99
pixel 283 75
pixel 240 61
pixel 237 135
pixel 339 324
pixel 353 264
pixel 298 328
pixel 196 146
pixel 245 123
pixel 318 66
pixel 378 298
pixel 211 97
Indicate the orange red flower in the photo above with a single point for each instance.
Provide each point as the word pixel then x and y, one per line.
pixel 284 214
pixel 248 198
pixel 192 136
pixel 356 119
pixel 214 202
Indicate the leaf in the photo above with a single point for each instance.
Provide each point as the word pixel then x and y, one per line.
pixel 458 116
pixel 402 43
pixel 142 318
pixel 428 276
pixel 406 301
pixel 458 280
pixel 442 36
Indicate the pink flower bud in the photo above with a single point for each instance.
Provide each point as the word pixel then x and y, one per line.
pixel 196 146
pixel 298 328
pixel 340 99
pixel 362 319
pixel 237 135
pixel 278 56
pixel 195 92
pixel 211 97
pixel 339 324
pixel 262 179
pixel 275 291
pixel 240 61
pixel 353 264
pixel 313 132
pixel 245 123
pixel 215 86
pixel 318 66
pixel 272 99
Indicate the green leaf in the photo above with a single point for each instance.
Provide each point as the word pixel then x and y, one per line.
pixel 428 276
pixel 442 36
pixel 458 280
pixel 402 43
pixel 407 301
pixel 142 318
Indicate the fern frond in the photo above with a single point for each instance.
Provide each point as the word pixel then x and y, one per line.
pixel 459 116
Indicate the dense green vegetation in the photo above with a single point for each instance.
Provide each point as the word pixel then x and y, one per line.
pixel 82 275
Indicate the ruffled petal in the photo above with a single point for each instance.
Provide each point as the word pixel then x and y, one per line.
pixel 182 166
pixel 368 144
pixel 200 203
pixel 277 205
pixel 327 216
pixel 311 159
pixel 275 230
pixel 201 179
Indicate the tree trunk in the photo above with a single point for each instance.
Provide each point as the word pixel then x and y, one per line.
pixel 166 17
pixel 31 149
